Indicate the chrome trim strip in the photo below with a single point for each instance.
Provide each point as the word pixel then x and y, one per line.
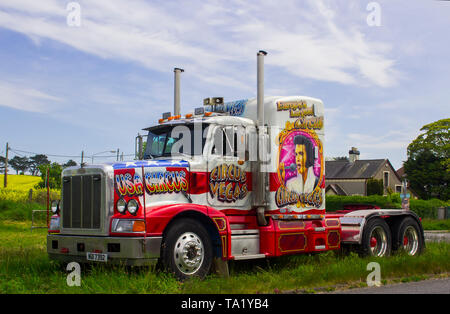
pixel 253 256
pixel 245 231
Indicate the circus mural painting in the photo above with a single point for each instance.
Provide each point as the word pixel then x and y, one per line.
pixel 300 164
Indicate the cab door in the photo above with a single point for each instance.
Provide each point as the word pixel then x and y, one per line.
pixel 229 173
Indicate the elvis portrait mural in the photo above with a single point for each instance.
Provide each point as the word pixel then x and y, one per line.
pixel 300 162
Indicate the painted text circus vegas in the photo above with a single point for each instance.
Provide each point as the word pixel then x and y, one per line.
pixel 284 197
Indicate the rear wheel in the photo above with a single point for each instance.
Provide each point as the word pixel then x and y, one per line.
pixel 376 238
pixel 407 237
pixel 187 250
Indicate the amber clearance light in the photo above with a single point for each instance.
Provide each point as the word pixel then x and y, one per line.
pixel 139 226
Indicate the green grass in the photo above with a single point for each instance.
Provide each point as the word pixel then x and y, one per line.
pixel 433 224
pixel 25 268
pixel 19 211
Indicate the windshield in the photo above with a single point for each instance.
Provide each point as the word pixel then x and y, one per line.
pixel 168 140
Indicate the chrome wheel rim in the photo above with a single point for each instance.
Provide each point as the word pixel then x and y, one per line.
pixel 378 242
pixel 410 240
pixel 188 253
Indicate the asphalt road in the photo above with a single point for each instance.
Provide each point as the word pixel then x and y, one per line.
pixel 432 286
pixel 437 236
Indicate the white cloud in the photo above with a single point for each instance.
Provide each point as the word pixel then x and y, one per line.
pixel 25 98
pixel 217 40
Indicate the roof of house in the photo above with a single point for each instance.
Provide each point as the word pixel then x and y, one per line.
pixel 359 169
pixel 401 172
pixel 336 189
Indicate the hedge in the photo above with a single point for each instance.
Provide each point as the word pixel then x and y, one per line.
pixel 427 208
pixel 335 202
pixel 423 208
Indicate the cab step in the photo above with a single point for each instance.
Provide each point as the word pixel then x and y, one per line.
pixel 249 256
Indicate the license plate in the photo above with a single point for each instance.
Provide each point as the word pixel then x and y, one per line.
pixel 97 257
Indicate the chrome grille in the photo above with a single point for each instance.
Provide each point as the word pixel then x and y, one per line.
pixel 81 201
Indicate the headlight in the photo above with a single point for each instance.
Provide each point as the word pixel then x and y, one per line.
pixel 132 206
pixel 128 225
pixel 55 206
pixel 121 206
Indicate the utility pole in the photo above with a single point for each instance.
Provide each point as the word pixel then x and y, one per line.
pixel 117 155
pixel 82 157
pixel 5 183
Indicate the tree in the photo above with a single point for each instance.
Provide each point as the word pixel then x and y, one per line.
pixel 19 163
pixel 374 187
pixel 428 164
pixel 36 161
pixel 54 176
pixel 70 163
pixel 2 164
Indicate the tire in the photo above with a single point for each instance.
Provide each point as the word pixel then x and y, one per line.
pixel 187 250
pixel 376 239
pixel 407 237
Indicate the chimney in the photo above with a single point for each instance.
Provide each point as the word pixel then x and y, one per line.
pixel 176 104
pixel 353 154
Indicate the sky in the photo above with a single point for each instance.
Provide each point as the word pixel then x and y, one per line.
pixel 89 75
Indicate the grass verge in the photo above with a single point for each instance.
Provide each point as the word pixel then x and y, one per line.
pixel 25 268
pixel 433 224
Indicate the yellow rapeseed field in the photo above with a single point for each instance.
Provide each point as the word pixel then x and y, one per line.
pixel 19 186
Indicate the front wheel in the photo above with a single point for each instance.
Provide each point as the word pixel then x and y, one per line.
pixel 376 238
pixel 187 249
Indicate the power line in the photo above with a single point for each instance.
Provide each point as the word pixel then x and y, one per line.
pixel 112 156
pixel 18 151
pixel 50 155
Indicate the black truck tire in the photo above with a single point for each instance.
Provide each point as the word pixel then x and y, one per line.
pixel 407 237
pixel 187 249
pixel 376 239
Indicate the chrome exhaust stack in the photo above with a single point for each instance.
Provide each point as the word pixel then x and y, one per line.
pixel 176 104
pixel 260 87
pixel 261 180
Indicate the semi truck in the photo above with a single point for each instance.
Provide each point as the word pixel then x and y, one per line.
pixel 239 180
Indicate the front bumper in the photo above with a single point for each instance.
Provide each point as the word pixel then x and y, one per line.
pixel 131 251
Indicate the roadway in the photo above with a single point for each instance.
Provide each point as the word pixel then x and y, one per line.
pixel 431 286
